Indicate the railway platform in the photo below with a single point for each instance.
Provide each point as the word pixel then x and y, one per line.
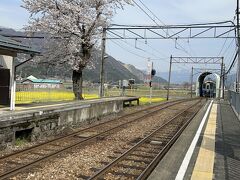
pixel 34 107
pixel 209 148
pixel 49 119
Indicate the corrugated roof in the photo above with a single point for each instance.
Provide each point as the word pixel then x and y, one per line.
pixel 44 81
pixel 9 44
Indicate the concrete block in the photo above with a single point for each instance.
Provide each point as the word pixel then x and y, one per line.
pixel 53 120
pixel 9 137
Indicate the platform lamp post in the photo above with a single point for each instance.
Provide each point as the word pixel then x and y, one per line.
pixel 103 57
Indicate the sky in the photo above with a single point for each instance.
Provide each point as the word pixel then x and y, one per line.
pixel 169 12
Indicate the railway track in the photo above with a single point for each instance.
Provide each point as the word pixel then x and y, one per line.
pixel 139 161
pixel 19 161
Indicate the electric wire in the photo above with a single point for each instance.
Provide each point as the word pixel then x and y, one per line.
pixel 232 64
pixel 162 54
pixel 163 23
pixel 223 22
pixel 179 25
pixel 143 57
pixel 226 40
pixel 228 47
pixel 154 59
pixel 181 48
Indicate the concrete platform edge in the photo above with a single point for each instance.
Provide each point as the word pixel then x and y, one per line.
pixel 168 168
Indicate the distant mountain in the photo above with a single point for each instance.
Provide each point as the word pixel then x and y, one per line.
pixel 177 77
pixel 135 71
pixel 141 74
pixel 114 70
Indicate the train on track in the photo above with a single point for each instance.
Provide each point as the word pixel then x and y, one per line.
pixel 209 89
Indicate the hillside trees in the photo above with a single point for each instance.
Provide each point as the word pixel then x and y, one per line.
pixel 73 28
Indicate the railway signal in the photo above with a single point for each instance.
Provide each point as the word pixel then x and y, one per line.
pixel 151 74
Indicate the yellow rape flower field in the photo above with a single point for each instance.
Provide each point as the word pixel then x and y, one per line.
pixel 27 97
pixel 23 97
pixel 145 100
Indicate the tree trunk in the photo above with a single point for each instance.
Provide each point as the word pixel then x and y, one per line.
pixel 77 84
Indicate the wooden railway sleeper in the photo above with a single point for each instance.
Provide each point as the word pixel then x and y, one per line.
pixel 125 156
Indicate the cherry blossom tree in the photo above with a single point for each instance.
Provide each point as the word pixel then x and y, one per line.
pixel 73 28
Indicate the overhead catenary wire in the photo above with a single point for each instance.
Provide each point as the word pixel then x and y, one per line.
pixel 176 43
pixel 142 50
pixel 143 57
pixel 160 20
pixel 232 64
pixel 232 57
pixel 228 47
pixel 160 53
pixel 225 41
pixel 154 59
pixel 223 22
pixel 178 25
pixel 181 48
pixel 151 12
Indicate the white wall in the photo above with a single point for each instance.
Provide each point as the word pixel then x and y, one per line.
pixel 7 63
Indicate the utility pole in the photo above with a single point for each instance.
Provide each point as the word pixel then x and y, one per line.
pixel 192 82
pixel 103 45
pixel 221 81
pixel 238 44
pixel 169 77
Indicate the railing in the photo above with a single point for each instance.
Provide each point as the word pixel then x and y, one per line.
pixel 234 99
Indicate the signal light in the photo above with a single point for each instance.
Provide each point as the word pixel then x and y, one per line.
pixel 153 73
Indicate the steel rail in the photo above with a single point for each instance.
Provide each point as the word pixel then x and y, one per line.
pixel 16 170
pixel 166 148
pixel 85 129
pixel 128 152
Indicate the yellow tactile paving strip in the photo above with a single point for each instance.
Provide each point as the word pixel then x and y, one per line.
pixel 203 168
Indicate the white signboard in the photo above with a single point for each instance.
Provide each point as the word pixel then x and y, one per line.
pixel 149 70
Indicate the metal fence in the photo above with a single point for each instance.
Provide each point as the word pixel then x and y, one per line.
pixel 25 94
pixel 156 93
pixel 33 95
pixel 234 99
